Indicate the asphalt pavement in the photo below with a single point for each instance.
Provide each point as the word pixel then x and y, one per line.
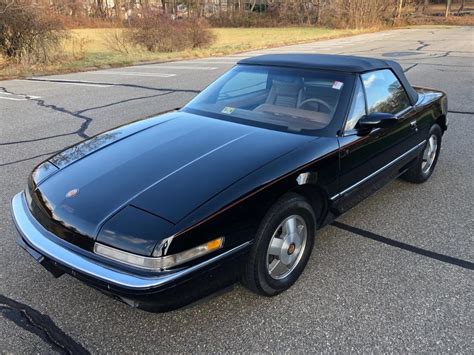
pixel 394 274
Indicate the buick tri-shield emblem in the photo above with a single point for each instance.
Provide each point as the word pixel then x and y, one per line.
pixel 72 193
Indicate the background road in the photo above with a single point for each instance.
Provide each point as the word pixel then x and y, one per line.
pixel 395 273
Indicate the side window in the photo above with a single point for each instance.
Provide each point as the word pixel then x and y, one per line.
pixel 384 92
pixel 243 83
pixel 357 108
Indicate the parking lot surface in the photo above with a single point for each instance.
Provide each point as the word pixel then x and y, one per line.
pixel 393 274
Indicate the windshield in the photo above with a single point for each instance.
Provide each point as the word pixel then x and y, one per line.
pixel 294 99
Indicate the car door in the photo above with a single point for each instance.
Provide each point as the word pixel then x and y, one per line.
pixel 368 160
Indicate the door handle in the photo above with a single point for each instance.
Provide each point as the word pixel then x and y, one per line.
pixel 344 152
pixel 413 125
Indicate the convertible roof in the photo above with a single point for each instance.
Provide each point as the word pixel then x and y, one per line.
pixel 342 63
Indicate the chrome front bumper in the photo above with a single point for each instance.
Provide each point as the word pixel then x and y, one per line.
pixel 43 242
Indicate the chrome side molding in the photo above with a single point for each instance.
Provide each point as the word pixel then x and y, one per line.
pixel 368 177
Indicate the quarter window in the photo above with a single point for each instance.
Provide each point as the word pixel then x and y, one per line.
pixel 357 108
pixel 384 92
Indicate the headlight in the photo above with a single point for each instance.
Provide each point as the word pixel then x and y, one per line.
pixel 158 263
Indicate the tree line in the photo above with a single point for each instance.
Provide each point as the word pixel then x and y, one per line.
pixel 32 31
pixel 306 10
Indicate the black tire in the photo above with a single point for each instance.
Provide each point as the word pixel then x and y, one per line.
pixel 416 174
pixel 256 275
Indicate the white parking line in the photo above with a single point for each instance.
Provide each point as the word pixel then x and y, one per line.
pixel 132 73
pixel 12 98
pixel 69 82
pixel 16 97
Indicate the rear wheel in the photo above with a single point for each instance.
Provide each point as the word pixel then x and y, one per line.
pixel 282 246
pixel 426 161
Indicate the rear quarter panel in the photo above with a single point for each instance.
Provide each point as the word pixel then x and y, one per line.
pixel 432 106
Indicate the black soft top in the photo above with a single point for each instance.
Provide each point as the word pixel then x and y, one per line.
pixel 330 62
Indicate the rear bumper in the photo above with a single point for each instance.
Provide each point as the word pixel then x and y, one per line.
pixel 158 292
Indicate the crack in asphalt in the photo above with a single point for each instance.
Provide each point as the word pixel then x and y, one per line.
pixel 423 45
pixel 437 50
pixel 29 158
pixel 404 246
pixel 447 54
pixel 38 139
pixel 41 325
pixel 461 112
pixel 436 64
pixel 81 131
pixel 363 51
pixel 4 90
pixel 79 114
pixel 450 71
pixel 82 128
pixel 134 86
pixel 124 101
pixel 410 67
pixel 430 57
pixel 65 134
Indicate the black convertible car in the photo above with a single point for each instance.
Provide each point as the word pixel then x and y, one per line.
pixel 234 185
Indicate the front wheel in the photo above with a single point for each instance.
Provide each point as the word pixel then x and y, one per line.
pixel 426 161
pixel 282 246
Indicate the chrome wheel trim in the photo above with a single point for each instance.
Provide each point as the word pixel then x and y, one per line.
pixel 429 154
pixel 286 247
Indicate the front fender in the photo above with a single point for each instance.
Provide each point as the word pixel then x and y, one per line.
pixel 237 211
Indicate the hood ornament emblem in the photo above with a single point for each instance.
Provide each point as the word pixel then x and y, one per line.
pixel 72 193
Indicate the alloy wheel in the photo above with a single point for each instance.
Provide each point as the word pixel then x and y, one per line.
pixel 286 247
pixel 429 154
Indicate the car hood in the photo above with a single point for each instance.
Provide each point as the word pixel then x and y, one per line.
pixel 167 166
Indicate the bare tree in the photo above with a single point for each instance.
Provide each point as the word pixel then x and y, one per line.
pixel 426 4
pixel 448 8
pixel 118 9
pixel 335 13
pixel 28 34
pixel 253 5
pixel 318 14
pixel 5 6
pixel 400 8
pixel 421 6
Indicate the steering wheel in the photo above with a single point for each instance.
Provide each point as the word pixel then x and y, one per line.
pixel 319 101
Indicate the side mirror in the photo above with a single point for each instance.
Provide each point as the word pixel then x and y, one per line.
pixel 376 120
